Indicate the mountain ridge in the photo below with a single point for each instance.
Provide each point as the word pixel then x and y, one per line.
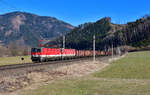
pixel 28 28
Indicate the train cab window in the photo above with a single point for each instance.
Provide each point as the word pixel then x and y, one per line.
pixel 35 50
pixel 38 50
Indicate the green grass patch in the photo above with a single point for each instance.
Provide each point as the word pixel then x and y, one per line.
pixel 14 60
pixel 93 87
pixel 133 66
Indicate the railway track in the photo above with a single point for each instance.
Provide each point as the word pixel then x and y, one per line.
pixel 24 65
pixel 13 77
pixel 19 69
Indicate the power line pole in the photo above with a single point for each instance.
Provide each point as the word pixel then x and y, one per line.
pixel 63 41
pixel 118 49
pixel 94 48
pixel 112 51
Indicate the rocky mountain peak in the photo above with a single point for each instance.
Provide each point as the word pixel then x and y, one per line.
pixel 29 28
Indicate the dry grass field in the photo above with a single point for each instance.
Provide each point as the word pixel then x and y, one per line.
pixel 14 60
pixel 127 76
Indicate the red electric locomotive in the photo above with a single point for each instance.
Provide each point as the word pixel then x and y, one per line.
pixel 43 54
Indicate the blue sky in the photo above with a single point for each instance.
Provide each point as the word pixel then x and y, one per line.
pixel 78 12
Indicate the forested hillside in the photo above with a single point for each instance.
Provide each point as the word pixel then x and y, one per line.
pixel 134 34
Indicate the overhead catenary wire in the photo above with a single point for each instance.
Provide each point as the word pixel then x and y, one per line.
pixel 11 6
pixel 2 8
pixel 2 11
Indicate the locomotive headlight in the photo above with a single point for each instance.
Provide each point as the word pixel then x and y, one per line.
pixel 35 55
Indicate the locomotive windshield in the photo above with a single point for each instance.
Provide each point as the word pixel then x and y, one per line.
pixel 35 50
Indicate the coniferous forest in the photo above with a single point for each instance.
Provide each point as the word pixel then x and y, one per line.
pixel 133 34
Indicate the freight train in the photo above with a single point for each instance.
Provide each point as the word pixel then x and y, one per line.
pixel 43 54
